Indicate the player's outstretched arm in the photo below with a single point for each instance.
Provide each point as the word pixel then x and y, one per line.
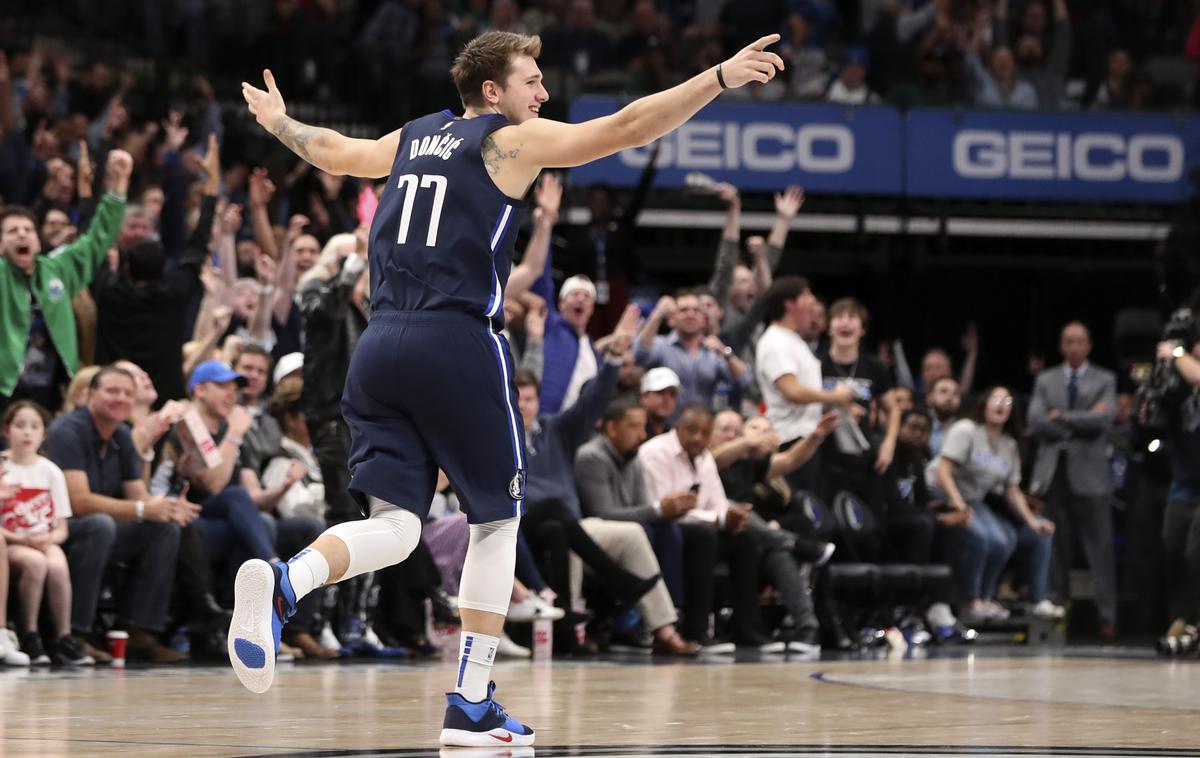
pixel 543 143
pixel 324 148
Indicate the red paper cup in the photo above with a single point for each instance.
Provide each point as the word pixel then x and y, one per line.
pixel 116 646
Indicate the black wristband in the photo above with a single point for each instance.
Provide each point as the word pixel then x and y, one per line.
pixel 721 78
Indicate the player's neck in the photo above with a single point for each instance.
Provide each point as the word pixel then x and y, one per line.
pixel 472 112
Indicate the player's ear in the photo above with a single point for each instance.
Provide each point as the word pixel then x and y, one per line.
pixel 491 92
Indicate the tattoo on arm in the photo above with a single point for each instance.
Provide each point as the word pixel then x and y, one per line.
pixel 296 136
pixel 492 154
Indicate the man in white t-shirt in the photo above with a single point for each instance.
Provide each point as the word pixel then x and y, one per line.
pixel 789 375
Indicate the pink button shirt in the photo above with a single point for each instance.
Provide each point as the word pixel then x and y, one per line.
pixel 669 470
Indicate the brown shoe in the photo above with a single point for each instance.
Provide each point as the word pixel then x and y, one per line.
pixel 144 646
pixel 309 647
pixel 98 655
pixel 674 645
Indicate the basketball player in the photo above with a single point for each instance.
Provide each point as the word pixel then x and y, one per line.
pixel 430 382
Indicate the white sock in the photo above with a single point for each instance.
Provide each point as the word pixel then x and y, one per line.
pixel 476 653
pixel 307 570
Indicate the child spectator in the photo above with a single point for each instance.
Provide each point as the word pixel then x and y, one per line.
pixel 33 524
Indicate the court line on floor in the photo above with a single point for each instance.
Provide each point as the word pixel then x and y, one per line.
pixel 822 677
pixel 144 743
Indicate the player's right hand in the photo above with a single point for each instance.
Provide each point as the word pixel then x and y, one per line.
pixel 751 64
pixel 268 106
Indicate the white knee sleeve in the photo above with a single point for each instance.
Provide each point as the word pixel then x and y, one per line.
pixel 487 577
pixel 386 538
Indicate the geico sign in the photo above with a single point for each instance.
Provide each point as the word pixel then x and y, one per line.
pixel 1088 156
pixel 757 146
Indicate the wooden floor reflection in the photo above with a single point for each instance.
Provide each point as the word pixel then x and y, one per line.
pixel 965 705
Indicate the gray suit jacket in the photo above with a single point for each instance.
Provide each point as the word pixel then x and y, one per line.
pixel 1082 433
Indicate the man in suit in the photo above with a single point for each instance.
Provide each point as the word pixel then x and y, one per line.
pixel 1071 413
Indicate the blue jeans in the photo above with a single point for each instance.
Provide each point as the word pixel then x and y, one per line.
pixel 986 546
pixel 666 537
pixel 234 506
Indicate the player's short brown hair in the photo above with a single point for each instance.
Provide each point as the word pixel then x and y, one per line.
pixel 489 57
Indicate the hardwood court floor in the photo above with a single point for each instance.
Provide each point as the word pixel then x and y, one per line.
pixel 969 704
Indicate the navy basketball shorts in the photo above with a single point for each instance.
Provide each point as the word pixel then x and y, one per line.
pixel 429 390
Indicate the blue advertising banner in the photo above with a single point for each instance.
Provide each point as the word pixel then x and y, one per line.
pixel 1051 156
pixel 824 148
pixel 1102 157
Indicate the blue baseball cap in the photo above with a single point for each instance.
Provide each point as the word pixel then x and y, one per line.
pixel 214 371
pixel 858 55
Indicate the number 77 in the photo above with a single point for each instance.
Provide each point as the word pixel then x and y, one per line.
pixel 409 183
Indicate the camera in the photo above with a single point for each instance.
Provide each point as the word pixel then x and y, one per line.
pixel 1162 384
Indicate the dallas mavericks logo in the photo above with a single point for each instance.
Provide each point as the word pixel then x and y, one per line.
pixel 516 488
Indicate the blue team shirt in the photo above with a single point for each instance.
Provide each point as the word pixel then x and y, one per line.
pixel 442 237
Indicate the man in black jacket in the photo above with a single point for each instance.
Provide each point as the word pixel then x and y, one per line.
pixel 335 311
pixel 143 307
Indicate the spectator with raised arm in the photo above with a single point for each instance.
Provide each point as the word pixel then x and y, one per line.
pixel 1042 58
pixel 38 342
pixel 335 310
pixel 699 361
pixel 144 307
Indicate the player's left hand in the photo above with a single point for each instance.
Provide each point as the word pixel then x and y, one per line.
pixel 268 106
pixel 752 63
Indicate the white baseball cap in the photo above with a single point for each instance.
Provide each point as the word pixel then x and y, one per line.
pixel 576 283
pixel 659 379
pixel 288 364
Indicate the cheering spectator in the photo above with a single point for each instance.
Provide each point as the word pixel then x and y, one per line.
pixel 552 509
pixel 34 524
pixel 789 375
pixel 998 86
pixel 569 355
pixel 1041 61
pixel 37 325
pixel 1071 415
pixel 979 465
pixel 700 362
pixel 114 518
pixel 334 304
pixel 143 308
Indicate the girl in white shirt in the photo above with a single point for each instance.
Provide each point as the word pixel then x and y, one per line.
pixel 33 524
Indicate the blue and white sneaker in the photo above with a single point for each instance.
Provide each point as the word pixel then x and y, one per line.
pixel 483 724
pixel 263 601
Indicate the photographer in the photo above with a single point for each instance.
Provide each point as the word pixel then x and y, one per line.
pixel 1181 527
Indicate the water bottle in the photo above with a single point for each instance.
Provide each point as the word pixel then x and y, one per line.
pixel 543 639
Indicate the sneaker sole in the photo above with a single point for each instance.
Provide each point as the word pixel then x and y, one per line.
pixel 496 739
pixel 251 644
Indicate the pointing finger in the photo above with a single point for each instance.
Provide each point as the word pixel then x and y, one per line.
pixel 762 42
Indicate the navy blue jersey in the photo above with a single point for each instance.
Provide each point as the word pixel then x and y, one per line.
pixel 442 237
